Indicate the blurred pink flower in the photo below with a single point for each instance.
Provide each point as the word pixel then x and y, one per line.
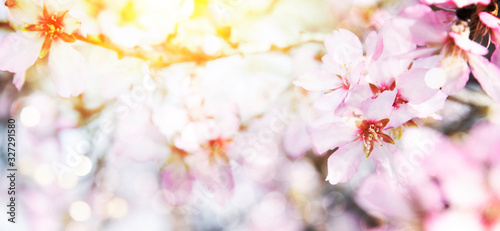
pixel 451 186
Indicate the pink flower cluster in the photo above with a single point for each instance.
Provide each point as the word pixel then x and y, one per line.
pixel 462 194
pixel 403 72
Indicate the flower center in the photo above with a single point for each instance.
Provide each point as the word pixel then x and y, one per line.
pixel 370 131
pixel 10 3
pixel 217 148
pixel 399 100
pixel 344 85
pixel 376 90
pixel 51 28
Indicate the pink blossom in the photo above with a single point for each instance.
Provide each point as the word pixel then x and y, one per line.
pixel 363 135
pixel 459 55
pixel 412 94
pixel 341 71
pixel 448 185
pixel 177 179
pixel 457 3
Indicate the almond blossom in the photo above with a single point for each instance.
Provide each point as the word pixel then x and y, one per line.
pixel 404 76
pixel 42 31
pixel 459 55
pixel 365 134
pixel 378 96
pixel 342 70
pixel 230 114
pixel 461 194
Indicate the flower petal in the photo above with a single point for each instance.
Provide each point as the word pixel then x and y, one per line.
pixel 487 74
pixel 18 53
pixel 490 20
pixel 24 12
pixel 330 136
pixel 457 72
pixel 318 81
pixel 413 88
pixel 375 194
pixel 424 25
pixel 343 164
pixel 18 80
pixel 380 107
pixel 468 45
pixel 67 68
pixel 374 46
pixel 344 47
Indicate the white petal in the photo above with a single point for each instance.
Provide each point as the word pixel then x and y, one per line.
pixel 487 74
pixel 18 53
pixel 25 12
pixel 67 68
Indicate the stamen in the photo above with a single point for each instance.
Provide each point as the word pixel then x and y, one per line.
pixel 371 131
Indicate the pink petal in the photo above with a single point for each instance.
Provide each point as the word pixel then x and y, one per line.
pixel 397 38
pixel 343 46
pixel 331 100
pixel 462 3
pixel 296 141
pixel 468 45
pixel 401 115
pixel 484 142
pixel 216 176
pixel 384 158
pixel 495 57
pixel 487 74
pixel 67 68
pixel 427 62
pixel 18 53
pixel 419 52
pixel 380 107
pixel 330 136
pixel 457 3
pixel 178 182
pixel 318 81
pixel 490 20
pixel 457 75
pixel 384 70
pixel 18 80
pixel 353 101
pixel 374 46
pixel 494 24
pixel 412 87
pixel 431 106
pixel 343 164
pixel 426 27
pixel 375 194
